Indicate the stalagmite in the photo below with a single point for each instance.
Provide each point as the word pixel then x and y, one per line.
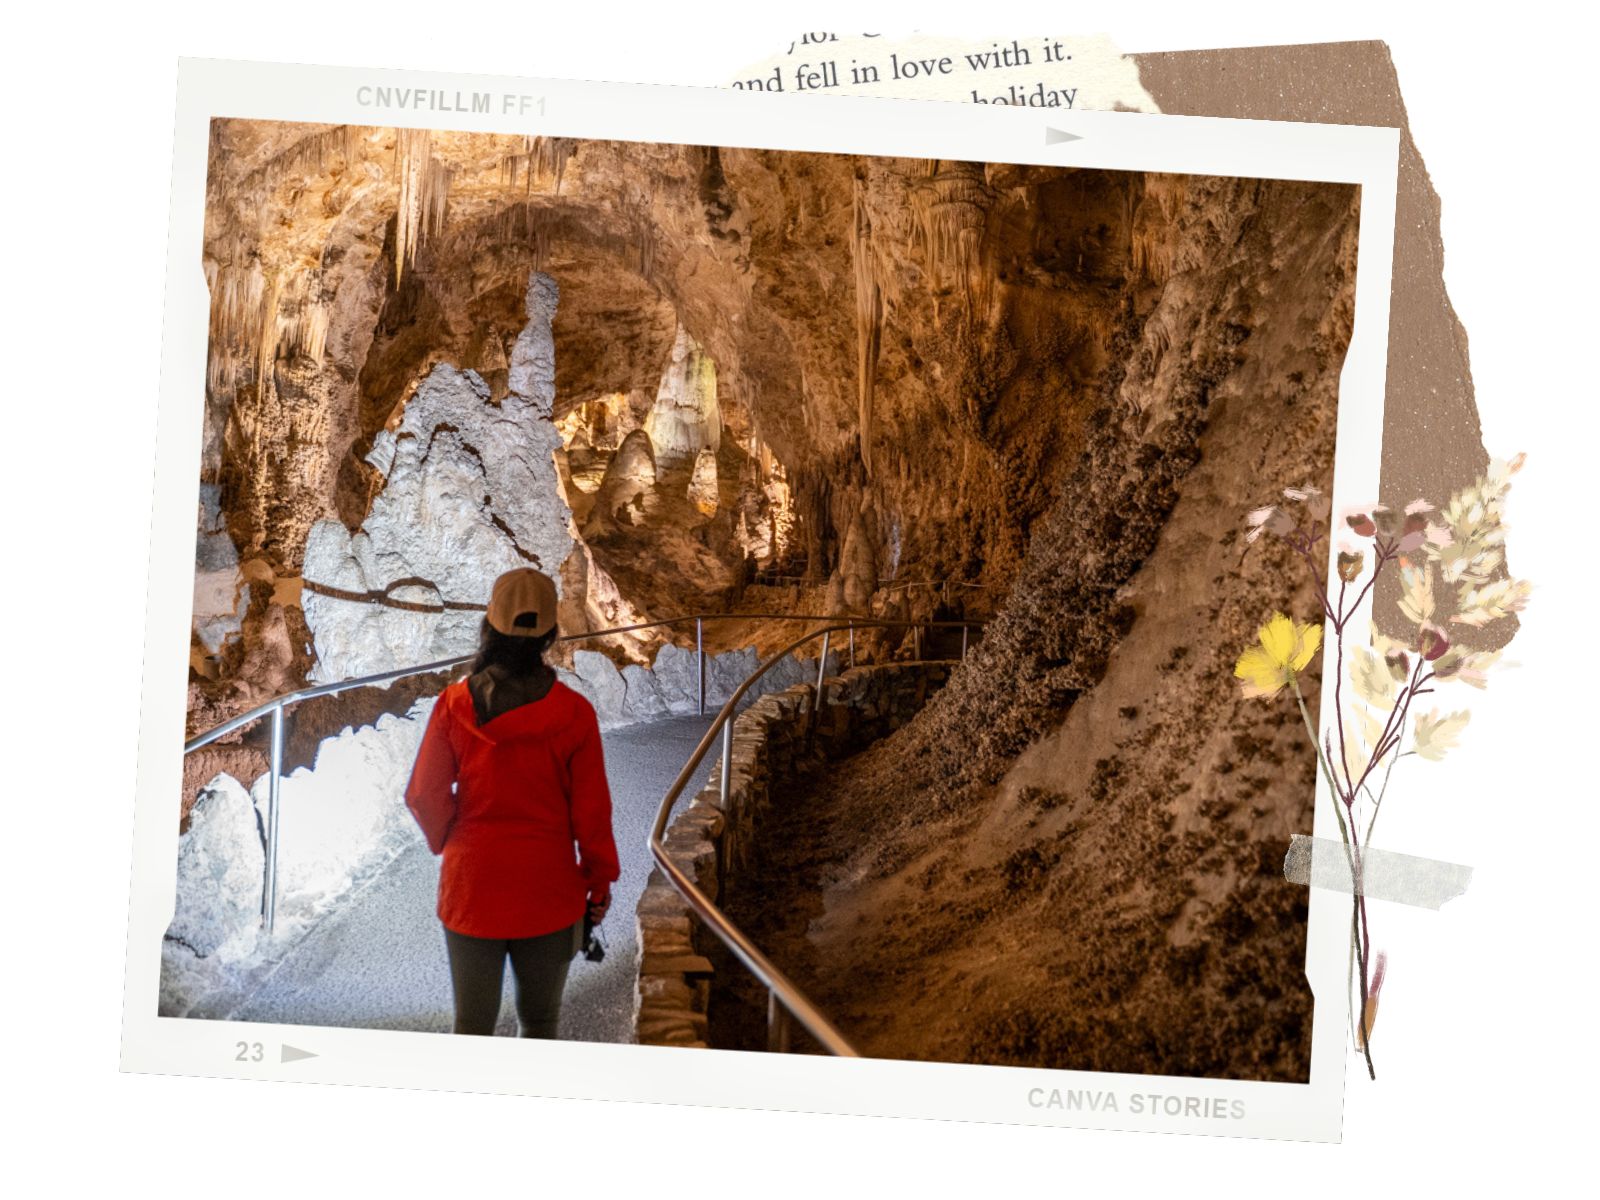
pixel 858 567
pixel 703 483
pixel 686 417
pixel 628 488
pixel 532 374
pixel 218 583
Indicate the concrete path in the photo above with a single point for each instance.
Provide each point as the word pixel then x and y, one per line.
pixel 378 962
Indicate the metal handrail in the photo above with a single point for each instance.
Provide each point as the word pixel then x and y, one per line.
pixel 344 685
pixel 784 998
pixel 275 708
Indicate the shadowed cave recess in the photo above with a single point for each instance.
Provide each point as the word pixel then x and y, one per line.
pixel 685 379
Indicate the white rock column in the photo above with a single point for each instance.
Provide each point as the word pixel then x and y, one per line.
pixel 686 417
pixel 471 490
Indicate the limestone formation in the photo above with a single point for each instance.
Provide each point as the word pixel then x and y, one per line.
pixel 671 685
pixel 532 375
pixel 471 490
pixel 858 566
pixel 627 491
pixel 218 583
pixel 220 863
pixel 685 418
pixel 703 492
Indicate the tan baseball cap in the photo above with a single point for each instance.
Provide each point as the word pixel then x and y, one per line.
pixel 523 593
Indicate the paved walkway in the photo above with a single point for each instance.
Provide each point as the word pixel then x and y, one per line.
pixel 379 961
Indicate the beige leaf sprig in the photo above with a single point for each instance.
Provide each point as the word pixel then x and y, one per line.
pixel 1453 583
pixel 1438 733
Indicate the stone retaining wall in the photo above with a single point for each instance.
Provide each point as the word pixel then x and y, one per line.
pixel 777 736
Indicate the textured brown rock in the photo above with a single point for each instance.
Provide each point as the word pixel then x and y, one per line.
pixel 1029 874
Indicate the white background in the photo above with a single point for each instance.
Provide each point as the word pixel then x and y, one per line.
pixel 1484 1035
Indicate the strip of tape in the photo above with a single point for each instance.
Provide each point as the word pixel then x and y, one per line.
pixel 1386 875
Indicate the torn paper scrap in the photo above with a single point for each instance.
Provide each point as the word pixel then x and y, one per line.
pixel 1059 73
pixel 1386 875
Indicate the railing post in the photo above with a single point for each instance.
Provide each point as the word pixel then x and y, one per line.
pixel 727 762
pixel 269 883
pixel 964 641
pixel 916 640
pixel 852 645
pixel 778 1025
pixel 822 673
pixel 822 668
pixel 700 659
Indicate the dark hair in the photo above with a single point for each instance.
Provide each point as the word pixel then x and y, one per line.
pixel 515 655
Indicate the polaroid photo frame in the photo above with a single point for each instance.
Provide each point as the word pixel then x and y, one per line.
pixel 1366 157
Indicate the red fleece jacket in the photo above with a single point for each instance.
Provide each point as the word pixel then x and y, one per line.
pixel 505 803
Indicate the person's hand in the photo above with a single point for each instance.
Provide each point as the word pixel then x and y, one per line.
pixel 599 905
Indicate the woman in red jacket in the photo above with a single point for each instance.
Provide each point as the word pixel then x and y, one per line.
pixel 509 780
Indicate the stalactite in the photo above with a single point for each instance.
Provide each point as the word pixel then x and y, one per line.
pixel 424 195
pixel 869 318
pixel 1151 233
pixel 301 326
pixel 951 210
pixel 645 234
pixel 541 157
pixel 238 313
pixel 549 156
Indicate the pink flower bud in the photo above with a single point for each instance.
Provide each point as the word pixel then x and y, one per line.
pixel 1432 641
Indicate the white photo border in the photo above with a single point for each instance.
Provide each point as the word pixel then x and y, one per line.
pixel 1367 156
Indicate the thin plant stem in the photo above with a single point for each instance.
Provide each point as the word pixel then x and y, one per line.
pixel 1346 837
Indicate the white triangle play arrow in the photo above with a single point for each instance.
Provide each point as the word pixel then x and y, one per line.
pixel 293 1054
pixel 1054 137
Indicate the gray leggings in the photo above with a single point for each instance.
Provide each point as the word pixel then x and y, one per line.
pixel 539 965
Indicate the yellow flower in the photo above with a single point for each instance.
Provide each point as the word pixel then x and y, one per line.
pixel 1286 647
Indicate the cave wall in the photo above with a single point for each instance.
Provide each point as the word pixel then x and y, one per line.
pixel 906 349
pixel 1072 857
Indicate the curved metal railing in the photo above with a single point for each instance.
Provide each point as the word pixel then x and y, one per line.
pixel 274 709
pixel 785 1001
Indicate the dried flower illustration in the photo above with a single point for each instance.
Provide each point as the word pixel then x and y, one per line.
pixel 1450 564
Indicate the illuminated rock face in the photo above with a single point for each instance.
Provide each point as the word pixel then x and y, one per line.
pixel 703 483
pixel 685 418
pixel 220 864
pixel 345 817
pixel 340 822
pixel 671 685
pixel 218 585
pixel 627 490
pixel 471 490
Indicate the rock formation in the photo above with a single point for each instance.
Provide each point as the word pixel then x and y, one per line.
pixel 703 491
pixel 470 490
pixel 685 418
pixel 218 583
pixel 627 491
